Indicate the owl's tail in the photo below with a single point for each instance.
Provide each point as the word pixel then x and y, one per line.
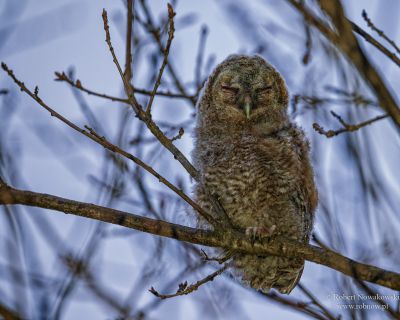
pixel 286 283
pixel 264 273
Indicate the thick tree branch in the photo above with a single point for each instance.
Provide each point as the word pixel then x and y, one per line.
pixel 229 239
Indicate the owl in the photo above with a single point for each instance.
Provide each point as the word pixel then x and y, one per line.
pixel 256 162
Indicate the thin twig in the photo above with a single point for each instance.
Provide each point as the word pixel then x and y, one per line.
pixel 62 76
pixel 179 135
pixel 391 55
pixel 184 289
pixel 128 41
pixel 200 56
pixel 379 32
pixel 150 306
pixel 90 133
pixel 171 31
pixel 153 30
pixel 344 39
pixel 141 114
pixel 308 44
pixel 85 108
pixel 316 302
pixel 378 299
pixel 80 269
pixel 295 304
pixel 223 218
pixel 313 101
pixel 346 126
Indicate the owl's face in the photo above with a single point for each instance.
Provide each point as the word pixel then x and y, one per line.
pixel 250 91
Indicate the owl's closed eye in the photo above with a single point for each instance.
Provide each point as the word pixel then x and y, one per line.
pixel 247 92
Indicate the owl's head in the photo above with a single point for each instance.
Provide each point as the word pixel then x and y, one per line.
pixel 244 90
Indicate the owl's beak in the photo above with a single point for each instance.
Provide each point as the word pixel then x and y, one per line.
pixel 247 105
pixel 247 109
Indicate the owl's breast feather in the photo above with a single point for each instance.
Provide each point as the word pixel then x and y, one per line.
pixel 249 168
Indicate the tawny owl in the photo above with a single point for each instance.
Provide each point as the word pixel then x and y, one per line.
pixel 256 162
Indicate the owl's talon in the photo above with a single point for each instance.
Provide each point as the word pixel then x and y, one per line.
pixel 258 233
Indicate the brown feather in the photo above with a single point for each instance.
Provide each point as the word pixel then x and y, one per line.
pixel 258 167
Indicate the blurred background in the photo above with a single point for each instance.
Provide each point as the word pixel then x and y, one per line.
pixel 58 266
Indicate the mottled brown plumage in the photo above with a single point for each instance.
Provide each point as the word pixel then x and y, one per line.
pixel 257 163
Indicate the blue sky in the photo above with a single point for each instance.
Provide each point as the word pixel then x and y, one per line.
pixel 43 36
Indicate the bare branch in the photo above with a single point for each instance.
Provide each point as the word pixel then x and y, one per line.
pixel 155 130
pixel 179 135
pixel 316 302
pixel 199 57
pixel 171 31
pixel 346 126
pixel 300 306
pixel 308 44
pixel 142 115
pixel 378 299
pixel 90 133
pixel 185 289
pixel 153 30
pixel 128 41
pixel 345 40
pixel 62 76
pixel 230 239
pixel 379 32
pixel 391 55
pixel 82 271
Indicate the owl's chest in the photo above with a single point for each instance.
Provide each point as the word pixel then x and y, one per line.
pixel 250 170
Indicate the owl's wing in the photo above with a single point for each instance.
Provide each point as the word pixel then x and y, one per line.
pixel 301 203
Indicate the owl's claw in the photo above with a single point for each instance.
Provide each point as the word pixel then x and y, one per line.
pixel 258 233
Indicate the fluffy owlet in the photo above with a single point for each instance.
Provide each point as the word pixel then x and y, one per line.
pixel 256 162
